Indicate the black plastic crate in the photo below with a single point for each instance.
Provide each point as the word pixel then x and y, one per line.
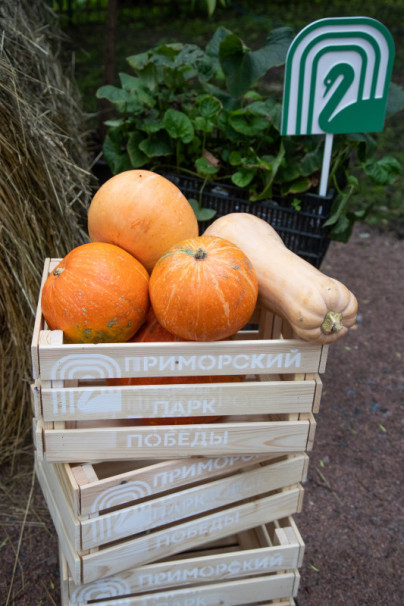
pixel 302 230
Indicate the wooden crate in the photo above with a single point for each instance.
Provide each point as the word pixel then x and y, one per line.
pixel 77 417
pixel 123 529
pixel 257 565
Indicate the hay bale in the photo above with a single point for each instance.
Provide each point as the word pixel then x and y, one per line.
pixel 45 188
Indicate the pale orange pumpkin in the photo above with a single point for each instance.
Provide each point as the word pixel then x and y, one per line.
pixel 203 289
pixel 318 308
pixel 153 332
pixel 97 293
pixel 142 212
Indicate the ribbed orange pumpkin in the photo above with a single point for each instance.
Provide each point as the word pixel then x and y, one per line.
pixel 203 289
pixel 142 212
pixel 97 293
pixel 153 332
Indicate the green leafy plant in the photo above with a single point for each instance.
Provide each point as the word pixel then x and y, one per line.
pixel 216 112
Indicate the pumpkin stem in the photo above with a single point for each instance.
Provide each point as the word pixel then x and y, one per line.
pixel 332 322
pixel 58 271
pixel 200 254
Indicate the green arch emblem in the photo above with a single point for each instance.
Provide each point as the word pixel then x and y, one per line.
pixel 337 77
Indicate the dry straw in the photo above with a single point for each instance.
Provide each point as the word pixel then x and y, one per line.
pixel 44 192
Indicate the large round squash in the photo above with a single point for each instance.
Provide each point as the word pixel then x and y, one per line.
pixel 153 332
pixel 97 293
pixel 203 289
pixel 142 212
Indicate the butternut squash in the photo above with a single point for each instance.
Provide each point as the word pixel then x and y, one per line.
pixel 319 308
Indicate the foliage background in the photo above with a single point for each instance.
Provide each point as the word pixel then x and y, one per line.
pixel 142 25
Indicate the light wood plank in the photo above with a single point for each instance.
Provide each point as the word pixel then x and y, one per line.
pixel 121 443
pixel 232 593
pixel 38 323
pixel 108 360
pixel 70 554
pixel 255 398
pixel 155 478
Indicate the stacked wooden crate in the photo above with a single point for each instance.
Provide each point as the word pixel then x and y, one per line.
pixel 176 514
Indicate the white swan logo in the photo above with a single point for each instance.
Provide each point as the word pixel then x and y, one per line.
pixel 79 366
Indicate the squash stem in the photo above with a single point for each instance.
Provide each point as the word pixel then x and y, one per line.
pixel 200 253
pixel 332 323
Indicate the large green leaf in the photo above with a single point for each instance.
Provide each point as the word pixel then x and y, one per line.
pixel 270 108
pixel 243 177
pixel 341 201
pixel 209 106
pixel 117 96
pixel 203 124
pixel 156 145
pixel 246 123
pixel 114 152
pixel 138 62
pixel 151 124
pixel 202 214
pixel 342 230
pixel 273 53
pixel 299 186
pixel 243 67
pixel 234 61
pixel 311 162
pixel 129 82
pixel 212 48
pixel 178 125
pixel 383 171
pixel 137 157
pixel 136 89
pixel 204 167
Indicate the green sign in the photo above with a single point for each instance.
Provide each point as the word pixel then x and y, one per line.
pixel 337 77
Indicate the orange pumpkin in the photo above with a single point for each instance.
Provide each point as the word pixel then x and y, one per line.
pixel 97 293
pixel 142 212
pixel 152 331
pixel 203 289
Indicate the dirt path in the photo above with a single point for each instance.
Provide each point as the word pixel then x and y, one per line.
pixel 352 518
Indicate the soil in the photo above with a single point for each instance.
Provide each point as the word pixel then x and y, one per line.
pixel 352 517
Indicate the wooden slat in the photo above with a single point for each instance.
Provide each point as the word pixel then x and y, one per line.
pixel 153 479
pixel 36 399
pixel 108 360
pixel 323 359
pixel 37 437
pixel 318 392
pixel 258 397
pixel 71 524
pixel 121 443
pixel 70 554
pixel 38 324
pixel 232 593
